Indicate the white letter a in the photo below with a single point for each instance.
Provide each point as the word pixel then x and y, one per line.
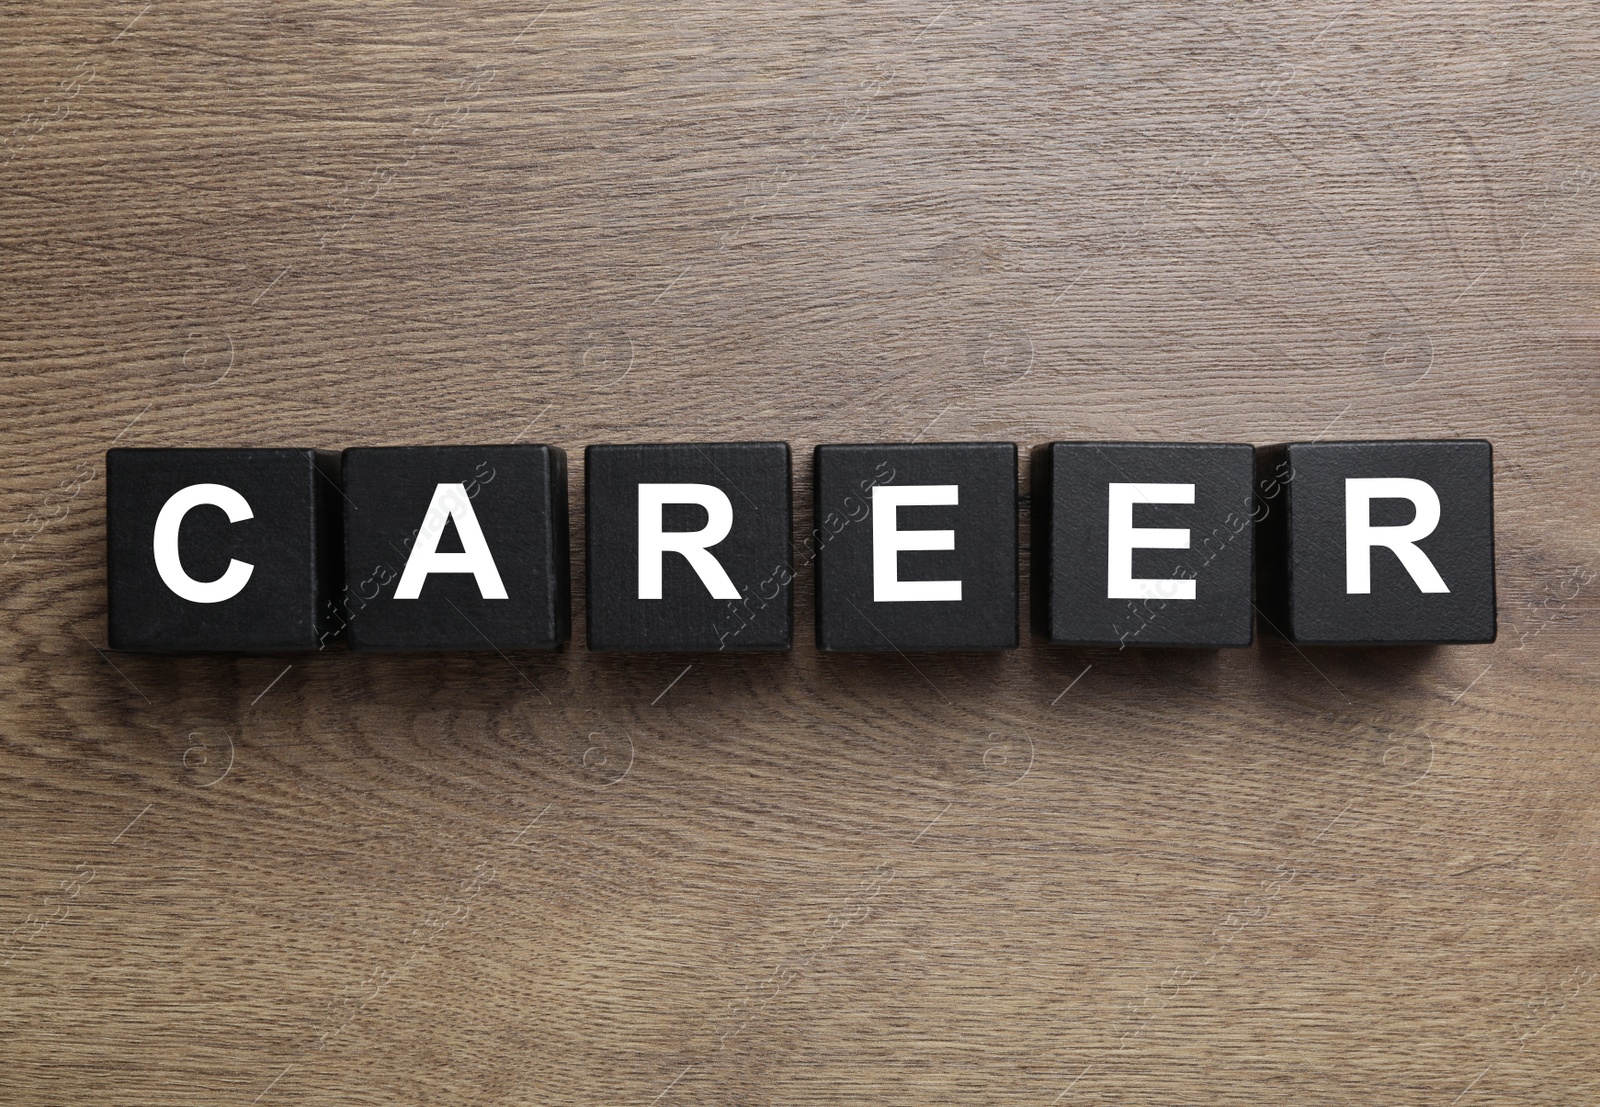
pixel 450 503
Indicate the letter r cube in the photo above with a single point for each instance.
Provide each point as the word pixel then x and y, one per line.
pixel 689 547
pixel 1367 543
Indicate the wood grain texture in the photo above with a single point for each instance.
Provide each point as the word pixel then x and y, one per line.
pixel 1256 877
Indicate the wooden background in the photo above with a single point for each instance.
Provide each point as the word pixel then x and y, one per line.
pixel 1042 877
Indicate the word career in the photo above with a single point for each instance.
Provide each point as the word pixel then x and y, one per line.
pixel 690 547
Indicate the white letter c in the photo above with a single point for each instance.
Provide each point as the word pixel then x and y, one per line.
pixel 170 566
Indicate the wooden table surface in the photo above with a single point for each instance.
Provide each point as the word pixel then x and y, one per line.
pixel 1042 877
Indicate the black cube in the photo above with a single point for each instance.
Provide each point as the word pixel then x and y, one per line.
pixel 1380 542
pixel 916 547
pixel 1143 544
pixel 456 548
pixel 221 550
pixel 689 547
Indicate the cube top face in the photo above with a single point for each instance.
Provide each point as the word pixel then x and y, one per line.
pixel 689 547
pixel 219 550
pixel 456 548
pixel 1144 544
pixel 1390 542
pixel 916 547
